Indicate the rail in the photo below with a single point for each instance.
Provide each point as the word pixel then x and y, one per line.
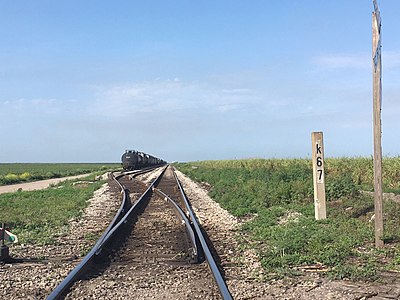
pixel 121 222
pixel 193 238
pixel 223 288
pixel 107 237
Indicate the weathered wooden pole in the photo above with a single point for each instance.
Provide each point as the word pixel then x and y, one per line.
pixel 377 107
pixel 318 175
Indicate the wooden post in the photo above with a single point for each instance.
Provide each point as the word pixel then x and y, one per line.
pixel 377 106
pixel 318 175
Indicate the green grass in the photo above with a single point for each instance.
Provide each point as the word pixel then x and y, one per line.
pixel 40 216
pixel 279 194
pixel 360 170
pixel 11 173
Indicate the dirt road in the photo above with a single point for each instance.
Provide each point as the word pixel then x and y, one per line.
pixel 35 185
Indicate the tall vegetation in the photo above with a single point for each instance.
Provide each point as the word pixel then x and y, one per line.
pixel 278 193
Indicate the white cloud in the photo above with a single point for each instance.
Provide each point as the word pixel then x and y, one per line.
pixel 237 91
pixel 36 104
pixel 340 61
pixel 171 96
pixel 390 59
pixel 40 108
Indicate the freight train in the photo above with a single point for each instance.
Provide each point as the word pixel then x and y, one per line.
pixel 133 160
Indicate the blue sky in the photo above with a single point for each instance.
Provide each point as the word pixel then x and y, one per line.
pixel 81 81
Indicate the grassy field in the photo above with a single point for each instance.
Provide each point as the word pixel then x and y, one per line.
pixel 278 195
pixel 38 217
pixel 11 173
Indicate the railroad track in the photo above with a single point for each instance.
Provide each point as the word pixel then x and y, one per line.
pixel 153 248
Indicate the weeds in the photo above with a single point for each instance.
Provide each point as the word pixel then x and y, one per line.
pixel 41 216
pixel 276 190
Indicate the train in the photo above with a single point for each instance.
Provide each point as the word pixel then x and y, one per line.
pixel 134 160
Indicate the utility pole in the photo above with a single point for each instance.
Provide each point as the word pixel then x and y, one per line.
pixel 377 107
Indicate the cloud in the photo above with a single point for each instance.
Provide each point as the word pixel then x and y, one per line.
pixel 390 59
pixel 171 96
pixel 237 91
pixel 341 61
pixel 35 105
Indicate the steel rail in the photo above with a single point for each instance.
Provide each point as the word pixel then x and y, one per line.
pixel 115 227
pixel 189 229
pixel 83 266
pixel 125 205
pixel 223 288
pixel 130 213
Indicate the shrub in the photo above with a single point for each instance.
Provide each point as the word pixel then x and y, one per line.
pixel 340 186
pixel 11 178
pixel 25 176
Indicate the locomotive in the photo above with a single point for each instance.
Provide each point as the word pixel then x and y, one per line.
pixel 133 160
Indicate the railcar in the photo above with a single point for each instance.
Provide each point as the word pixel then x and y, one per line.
pixel 133 160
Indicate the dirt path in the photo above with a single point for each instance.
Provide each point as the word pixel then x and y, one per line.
pixel 36 185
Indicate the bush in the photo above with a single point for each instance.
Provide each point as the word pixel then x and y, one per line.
pixel 340 186
pixel 10 178
pixel 25 176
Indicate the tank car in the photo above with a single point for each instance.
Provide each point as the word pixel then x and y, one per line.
pixel 133 160
pixel 130 160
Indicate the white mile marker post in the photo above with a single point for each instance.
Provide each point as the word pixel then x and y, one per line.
pixel 318 175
